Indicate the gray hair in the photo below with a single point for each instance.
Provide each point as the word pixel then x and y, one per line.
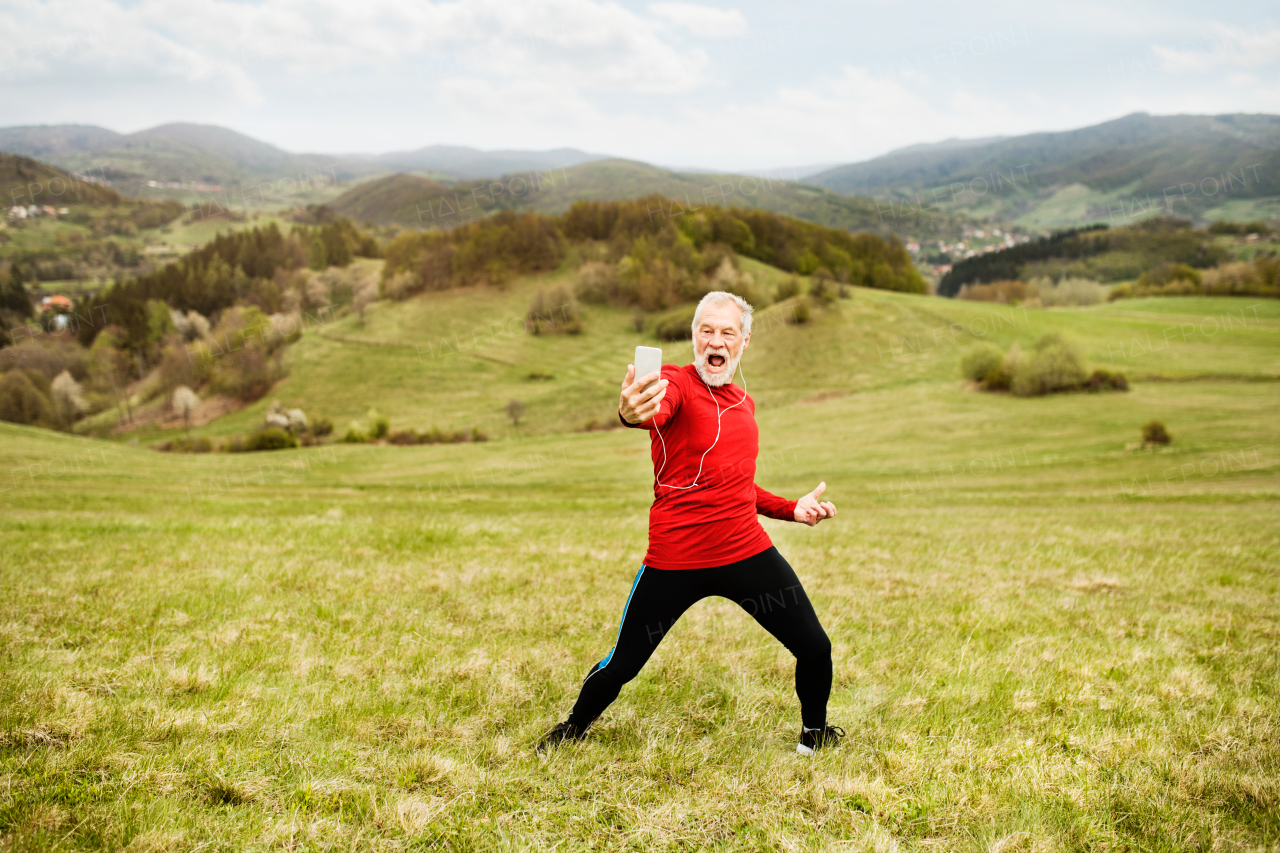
pixel 721 297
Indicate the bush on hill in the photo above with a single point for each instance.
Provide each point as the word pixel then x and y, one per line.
pixel 1067 291
pixel 23 400
pixel 1005 292
pixel 980 361
pixel 1053 366
pixel 676 325
pixel 554 313
pixel 1224 227
pixel 1259 277
pixel 1155 432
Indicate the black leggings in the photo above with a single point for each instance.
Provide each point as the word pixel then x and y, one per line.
pixel 764 585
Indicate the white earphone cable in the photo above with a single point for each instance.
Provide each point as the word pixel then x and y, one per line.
pixel 719 415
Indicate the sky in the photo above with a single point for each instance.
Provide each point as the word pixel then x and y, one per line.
pixel 726 85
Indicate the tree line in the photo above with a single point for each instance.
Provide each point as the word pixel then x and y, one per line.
pixel 1094 251
pixel 661 250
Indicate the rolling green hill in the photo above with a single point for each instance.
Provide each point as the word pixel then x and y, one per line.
pixel 391 200
pixel 454 359
pixel 29 181
pixel 1209 167
pixel 413 201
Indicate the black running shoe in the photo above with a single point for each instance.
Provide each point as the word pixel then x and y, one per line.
pixel 562 732
pixel 818 738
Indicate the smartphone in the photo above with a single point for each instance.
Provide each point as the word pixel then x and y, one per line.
pixel 648 360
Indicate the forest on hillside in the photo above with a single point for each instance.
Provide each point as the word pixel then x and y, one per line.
pixel 656 259
pixel 1153 257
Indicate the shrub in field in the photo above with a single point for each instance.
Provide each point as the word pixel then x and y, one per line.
pixel 272 438
pixel 1102 379
pixel 354 435
pixel 68 398
pixel 184 402
pixel 801 313
pixel 1054 365
pixel 198 444
pixel 1168 279
pixel 1261 277
pixel 400 286
pixel 1120 291
pixel 379 425
pixel 981 360
pixel 598 283
pixel 788 289
pixel 22 401
pixel 321 427
pixel 436 436
pixel 1167 273
pixel 1154 432
pixel 1007 291
pixel 1068 291
pixel 554 313
pixel 675 325
pixel 823 288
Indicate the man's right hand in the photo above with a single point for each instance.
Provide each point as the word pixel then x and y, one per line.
pixel 637 405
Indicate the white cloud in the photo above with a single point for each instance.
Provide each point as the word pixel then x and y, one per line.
pixel 1222 46
pixel 672 82
pixel 584 43
pixel 705 21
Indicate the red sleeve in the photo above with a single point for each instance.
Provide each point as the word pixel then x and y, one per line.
pixel 772 506
pixel 668 407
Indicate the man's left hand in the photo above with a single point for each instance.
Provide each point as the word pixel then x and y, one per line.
pixel 809 510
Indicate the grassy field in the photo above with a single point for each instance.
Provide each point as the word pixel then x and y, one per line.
pixel 455 359
pixel 1046 637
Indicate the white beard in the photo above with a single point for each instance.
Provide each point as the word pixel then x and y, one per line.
pixel 726 376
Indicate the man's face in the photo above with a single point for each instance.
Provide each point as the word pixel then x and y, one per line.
pixel 718 343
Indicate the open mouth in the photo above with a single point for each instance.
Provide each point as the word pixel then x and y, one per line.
pixel 715 361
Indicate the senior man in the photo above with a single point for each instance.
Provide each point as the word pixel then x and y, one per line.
pixel 704 537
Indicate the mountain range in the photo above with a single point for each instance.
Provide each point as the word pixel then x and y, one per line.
pixel 1204 167
pixel 416 201
pixel 213 155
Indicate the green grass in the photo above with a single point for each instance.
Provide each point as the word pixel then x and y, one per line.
pixel 1046 637
pixel 454 359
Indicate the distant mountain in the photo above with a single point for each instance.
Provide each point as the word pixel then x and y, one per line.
pixel 413 201
pixel 944 145
pixel 212 155
pixel 1203 166
pixel 193 153
pixel 44 140
pixel 458 161
pixel 31 182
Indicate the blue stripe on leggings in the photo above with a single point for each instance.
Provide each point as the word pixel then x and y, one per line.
pixel 634 584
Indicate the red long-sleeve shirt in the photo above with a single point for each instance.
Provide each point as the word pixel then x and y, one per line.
pixel 713 523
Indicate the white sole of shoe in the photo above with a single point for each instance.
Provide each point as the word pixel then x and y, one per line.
pixel 803 750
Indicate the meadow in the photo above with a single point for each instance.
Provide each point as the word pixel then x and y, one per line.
pixel 1047 637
